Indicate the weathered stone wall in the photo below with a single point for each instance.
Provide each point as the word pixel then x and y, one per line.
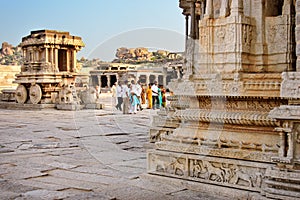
pixel 233 119
pixel 7 76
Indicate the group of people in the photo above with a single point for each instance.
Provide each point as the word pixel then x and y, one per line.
pixel 156 96
pixel 130 96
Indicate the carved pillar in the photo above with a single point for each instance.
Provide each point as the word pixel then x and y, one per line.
pixel 68 60
pixel 37 56
pixel 186 30
pixel 178 73
pixel 51 55
pixel 209 9
pixel 99 81
pixel 164 81
pixel 224 8
pixel 46 54
pixel 282 144
pixel 186 25
pixel 108 80
pixel 193 20
pixel 56 59
pixel 287 6
pixel 290 152
pixel 147 79
pixel 74 61
pixel 25 54
pixel 237 7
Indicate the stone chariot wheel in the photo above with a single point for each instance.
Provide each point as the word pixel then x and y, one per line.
pixel 35 94
pixel 21 94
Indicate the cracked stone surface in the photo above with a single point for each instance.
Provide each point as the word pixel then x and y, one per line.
pixel 86 154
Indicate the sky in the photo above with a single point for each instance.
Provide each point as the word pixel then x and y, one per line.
pixel 103 25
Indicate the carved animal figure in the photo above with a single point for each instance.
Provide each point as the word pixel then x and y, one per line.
pixel 239 175
pixel 177 166
pixel 213 171
pixel 160 165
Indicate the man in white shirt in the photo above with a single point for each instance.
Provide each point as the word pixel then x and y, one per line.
pixel 154 89
pixel 125 95
pixel 114 94
pixel 119 94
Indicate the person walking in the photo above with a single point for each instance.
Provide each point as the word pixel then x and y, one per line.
pixel 159 97
pixel 138 94
pixel 125 95
pixel 154 89
pixel 114 94
pixel 133 99
pixel 119 91
pixel 149 96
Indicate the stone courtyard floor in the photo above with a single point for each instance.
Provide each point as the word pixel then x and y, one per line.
pixel 86 154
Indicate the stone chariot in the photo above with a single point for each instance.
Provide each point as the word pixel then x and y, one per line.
pixel 49 66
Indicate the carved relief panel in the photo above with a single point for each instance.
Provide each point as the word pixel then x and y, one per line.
pixel 204 169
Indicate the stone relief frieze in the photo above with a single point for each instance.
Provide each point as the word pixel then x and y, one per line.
pixel 230 104
pixel 202 170
pixel 224 173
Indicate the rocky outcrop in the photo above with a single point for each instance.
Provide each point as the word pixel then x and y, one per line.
pixel 142 54
pixel 10 55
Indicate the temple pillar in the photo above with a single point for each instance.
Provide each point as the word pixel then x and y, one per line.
pixel 74 61
pixel 193 20
pixel 108 80
pixel 147 79
pixel 237 7
pixel 99 81
pixel 68 60
pixel 37 55
pixel 51 55
pixel 290 152
pixel 25 54
pixel 209 9
pixel 178 73
pixel 281 151
pixel 164 81
pixel 46 54
pixel 224 8
pixel 56 59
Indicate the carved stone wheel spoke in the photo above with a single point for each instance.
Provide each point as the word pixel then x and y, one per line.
pixel 35 94
pixel 21 94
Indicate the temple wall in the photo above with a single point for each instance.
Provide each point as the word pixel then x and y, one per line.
pixel 233 119
pixel 7 76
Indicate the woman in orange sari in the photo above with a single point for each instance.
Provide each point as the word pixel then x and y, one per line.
pixel 149 96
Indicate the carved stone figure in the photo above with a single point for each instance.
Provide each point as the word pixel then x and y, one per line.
pixel 211 170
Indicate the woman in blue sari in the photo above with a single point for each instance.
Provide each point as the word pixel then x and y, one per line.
pixel 134 101
pixel 159 97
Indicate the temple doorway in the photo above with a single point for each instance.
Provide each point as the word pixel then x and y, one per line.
pixel 62 60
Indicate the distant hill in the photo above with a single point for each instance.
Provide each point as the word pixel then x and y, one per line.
pixel 143 55
pixel 10 55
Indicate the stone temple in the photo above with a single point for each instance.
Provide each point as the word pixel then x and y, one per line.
pixel 50 65
pixel 233 124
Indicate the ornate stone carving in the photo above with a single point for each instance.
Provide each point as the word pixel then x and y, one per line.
pixel 290 86
pixel 206 170
pixel 236 125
